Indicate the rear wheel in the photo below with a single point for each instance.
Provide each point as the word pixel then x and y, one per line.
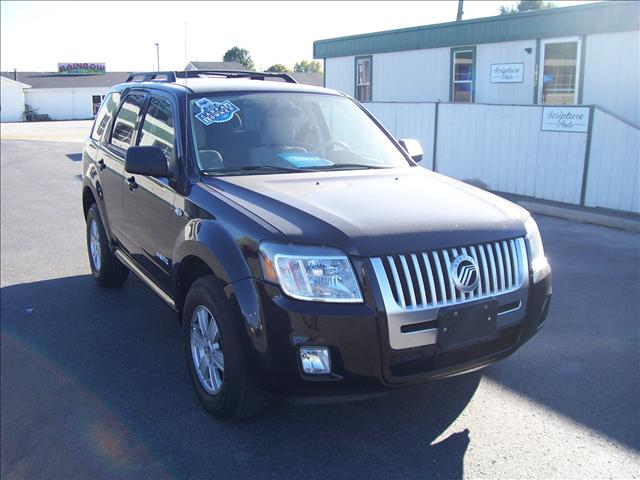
pixel 215 356
pixel 106 269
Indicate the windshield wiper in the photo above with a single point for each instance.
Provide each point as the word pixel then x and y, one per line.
pixel 255 168
pixel 336 166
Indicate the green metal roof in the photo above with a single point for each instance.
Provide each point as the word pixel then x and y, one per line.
pixel 587 19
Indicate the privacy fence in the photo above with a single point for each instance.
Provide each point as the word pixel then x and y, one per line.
pixel 511 149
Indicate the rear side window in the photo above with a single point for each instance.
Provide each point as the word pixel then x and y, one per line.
pixel 158 130
pixel 103 118
pixel 125 124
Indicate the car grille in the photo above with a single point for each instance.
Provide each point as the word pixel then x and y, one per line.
pixel 423 280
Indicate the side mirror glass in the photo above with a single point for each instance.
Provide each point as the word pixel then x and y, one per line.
pixel 148 161
pixel 412 147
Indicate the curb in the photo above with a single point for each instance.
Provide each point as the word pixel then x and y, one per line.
pixel 583 216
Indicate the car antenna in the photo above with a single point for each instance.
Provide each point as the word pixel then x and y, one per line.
pixel 186 97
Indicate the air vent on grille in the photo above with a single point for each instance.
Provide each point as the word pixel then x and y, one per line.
pixel 423 280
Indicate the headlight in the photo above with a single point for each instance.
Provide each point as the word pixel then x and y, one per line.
pixel 538 260
pixel 310 273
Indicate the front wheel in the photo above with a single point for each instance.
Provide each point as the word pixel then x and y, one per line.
pixel 106 269
pixel 215 356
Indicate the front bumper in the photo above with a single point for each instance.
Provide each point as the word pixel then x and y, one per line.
pixel 357 336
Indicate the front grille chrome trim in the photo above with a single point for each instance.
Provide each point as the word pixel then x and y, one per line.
pixel 413 290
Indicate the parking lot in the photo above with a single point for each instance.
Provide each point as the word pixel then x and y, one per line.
pixel 94 383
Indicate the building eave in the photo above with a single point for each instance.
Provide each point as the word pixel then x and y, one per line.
pixel 602 17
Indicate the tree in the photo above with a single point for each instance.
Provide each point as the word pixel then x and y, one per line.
pixel 306 66
pixel 278 67
pixel 526 6
pixel 239 55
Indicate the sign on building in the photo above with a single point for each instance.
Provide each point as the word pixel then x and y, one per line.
pixel 565 119
pixel 507 72
pixel 81 68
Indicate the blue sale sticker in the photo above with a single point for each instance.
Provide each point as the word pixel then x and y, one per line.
pixel 215 112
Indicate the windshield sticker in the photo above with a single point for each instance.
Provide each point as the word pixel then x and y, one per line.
pixel 215 112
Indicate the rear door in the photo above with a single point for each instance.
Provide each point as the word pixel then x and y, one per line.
pixel 111 159
pixel 151 224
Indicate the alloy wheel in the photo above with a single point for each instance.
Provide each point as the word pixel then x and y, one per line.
pixel 94 245
pixel 206 350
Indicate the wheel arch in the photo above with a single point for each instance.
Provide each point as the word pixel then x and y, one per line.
pixel 191 268
pixel 88 198
pixel 204 247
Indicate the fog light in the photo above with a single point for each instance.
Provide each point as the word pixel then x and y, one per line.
pixel 315 360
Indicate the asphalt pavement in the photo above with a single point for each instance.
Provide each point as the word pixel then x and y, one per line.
pixel 94 384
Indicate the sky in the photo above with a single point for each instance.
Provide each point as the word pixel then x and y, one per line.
pixel 36 36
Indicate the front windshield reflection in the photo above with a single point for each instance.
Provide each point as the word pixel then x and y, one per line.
pixel 274 132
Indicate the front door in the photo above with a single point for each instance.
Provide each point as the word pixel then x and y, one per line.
pixel 558 79
pixel 151 224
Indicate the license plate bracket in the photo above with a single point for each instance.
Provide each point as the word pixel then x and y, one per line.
pixel 468 325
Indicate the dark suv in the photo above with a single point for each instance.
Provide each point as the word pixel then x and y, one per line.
pixel 305 251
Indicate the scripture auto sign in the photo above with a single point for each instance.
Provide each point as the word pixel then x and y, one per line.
pixel 81 68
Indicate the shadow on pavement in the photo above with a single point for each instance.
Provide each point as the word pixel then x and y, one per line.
pixel 74 157
pixel 94 385
pixel 584 362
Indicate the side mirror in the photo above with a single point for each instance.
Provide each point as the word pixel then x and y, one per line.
pixel 412 147
pixel 146 161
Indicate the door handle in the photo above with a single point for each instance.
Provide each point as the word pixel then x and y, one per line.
pixel 132 183
pixel 101 164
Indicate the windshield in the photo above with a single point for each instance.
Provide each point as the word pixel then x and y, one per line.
pixel 274 132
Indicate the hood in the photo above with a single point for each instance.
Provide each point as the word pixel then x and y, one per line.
pixel 375 212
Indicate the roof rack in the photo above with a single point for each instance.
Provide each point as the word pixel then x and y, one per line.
pixel 238 74
pixel 170 77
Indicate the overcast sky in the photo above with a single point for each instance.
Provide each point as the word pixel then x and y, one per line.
pixel 36 36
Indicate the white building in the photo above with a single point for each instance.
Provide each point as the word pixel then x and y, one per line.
pixel 588 54
pixel 543 104
pixel 11 100
pixel 64 96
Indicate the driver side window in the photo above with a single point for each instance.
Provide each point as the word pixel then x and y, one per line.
pixel 158 129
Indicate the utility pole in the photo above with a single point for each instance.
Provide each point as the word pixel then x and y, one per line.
pixel 158 54
pixel 460 12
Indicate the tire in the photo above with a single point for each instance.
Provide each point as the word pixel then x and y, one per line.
pixel 106 269
pixel 230 393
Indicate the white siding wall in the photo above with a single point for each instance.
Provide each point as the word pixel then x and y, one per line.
pixel 339 74
pixel 505 52
pixel 424 75
pixel 614 165
pixel 503 147
pixel 411 76
pixel 63 103
pixel 612 73
pixel 409 120
pixel 11 102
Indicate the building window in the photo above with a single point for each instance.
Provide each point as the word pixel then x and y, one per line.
pixel 96 100
pixel 157 128
pixel 559 72
pixel 125 124
pixel 363 79
pixel 463 75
